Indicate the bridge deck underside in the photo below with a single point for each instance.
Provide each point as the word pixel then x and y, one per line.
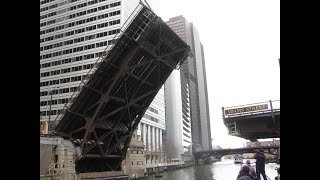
pixel 256 126
pixel 108 108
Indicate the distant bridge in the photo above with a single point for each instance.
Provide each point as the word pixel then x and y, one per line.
pixel 273 150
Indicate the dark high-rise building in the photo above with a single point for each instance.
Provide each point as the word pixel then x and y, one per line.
pixel 186 98
pixel 201 81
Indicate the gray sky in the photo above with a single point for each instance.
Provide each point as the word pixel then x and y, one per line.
pixel 241 42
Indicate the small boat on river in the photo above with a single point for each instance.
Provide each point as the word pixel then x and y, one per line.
pixel 158 175
pixel 238 159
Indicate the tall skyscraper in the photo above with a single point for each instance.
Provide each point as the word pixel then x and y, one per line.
pixel 187 108
pixel 73 34
pixel 201 80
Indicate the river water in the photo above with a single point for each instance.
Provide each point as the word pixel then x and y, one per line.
pixel 222 170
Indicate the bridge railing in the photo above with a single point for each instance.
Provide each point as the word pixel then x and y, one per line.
pixel 251 109
pixel 165 164
pixel 276 105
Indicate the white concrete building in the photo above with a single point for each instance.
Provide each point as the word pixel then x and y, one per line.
pixel 178 140
pixel 73 33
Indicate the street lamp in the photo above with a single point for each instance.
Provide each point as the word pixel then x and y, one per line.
pixel 51 93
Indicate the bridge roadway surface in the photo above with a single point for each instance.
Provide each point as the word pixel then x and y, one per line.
pixel 221 152
pixel 255 123
pixel 102 115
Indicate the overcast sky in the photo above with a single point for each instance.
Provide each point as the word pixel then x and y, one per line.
pixel 241 40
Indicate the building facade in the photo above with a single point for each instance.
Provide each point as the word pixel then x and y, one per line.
pixel 73 35
pixel 187 108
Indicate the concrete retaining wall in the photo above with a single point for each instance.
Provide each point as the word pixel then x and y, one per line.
pixel 57 156
pixel 60 177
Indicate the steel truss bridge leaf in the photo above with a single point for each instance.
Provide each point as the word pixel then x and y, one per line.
pixel 102 115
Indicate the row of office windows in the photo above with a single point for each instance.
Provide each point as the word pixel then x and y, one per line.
pixel 151 118
pixel 68 60
pixel 90 37
pixel 66 9
pixel 83 21
pixel 82 13
pixel 78 14
pixel 67 70
pixel 80 39
pixel 153 110
pixel 73 59
pixel 53 112
pixel 81 30
pixel 70 8
pixel 60 91
pixel 184 128
pixel 57 5
pixel 186 142
pixel 54 102
pixel 46 1
pixel 64 3
pixel 186 135
pixel 62 81
pixel 80 48
pixel 137 152
pixel 68 51
pixel 186 124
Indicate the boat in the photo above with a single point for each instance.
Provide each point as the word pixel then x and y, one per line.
pixel 238 159
pixel 158 175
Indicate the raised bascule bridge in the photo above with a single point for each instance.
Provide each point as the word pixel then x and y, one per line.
pixel 102 115
pixel 253 121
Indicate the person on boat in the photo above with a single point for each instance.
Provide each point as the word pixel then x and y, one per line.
pixel 260 164
pixel 278 177
pixel 252 171
pixel 244 173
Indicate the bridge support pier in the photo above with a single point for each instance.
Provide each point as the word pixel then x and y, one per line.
pixel 196 161
pixel 218 157
pixel 278 156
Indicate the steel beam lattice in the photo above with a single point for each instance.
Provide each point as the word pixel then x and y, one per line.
pixel 102 115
